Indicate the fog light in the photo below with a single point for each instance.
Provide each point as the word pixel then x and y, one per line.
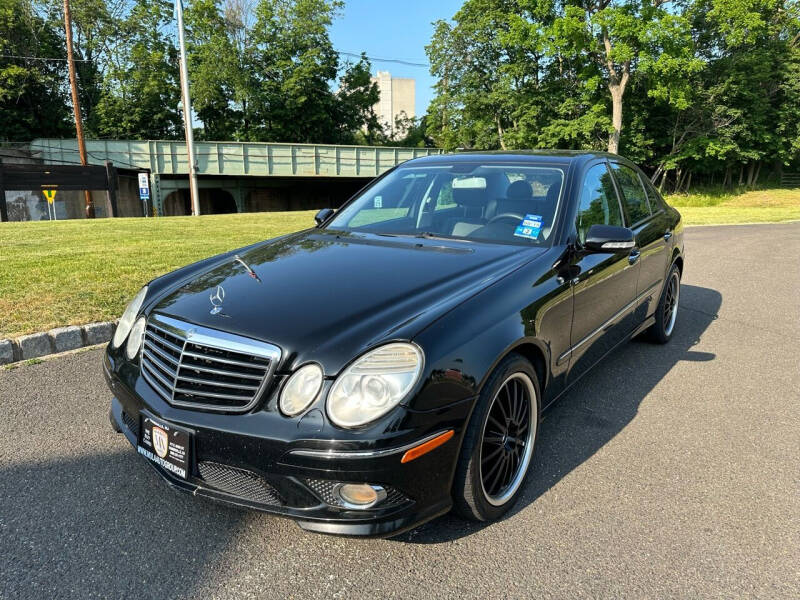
pixel 359 495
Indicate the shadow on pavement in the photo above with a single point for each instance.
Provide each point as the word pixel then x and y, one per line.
pixel 600 405
pixel 93 526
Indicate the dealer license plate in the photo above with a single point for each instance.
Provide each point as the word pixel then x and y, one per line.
pixel 166 445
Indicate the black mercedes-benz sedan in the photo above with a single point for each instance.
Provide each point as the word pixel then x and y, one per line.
pixel 393 362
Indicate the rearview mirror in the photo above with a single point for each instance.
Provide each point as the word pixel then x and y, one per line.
pixel 609 238
pixel 323 215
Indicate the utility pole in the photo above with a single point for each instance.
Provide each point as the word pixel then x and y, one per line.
pixel 187 113
pixel 76 105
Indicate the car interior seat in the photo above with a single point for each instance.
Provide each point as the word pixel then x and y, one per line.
pixel 519 200
pixel 472 202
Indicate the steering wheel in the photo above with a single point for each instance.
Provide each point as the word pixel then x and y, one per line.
pixel 507 215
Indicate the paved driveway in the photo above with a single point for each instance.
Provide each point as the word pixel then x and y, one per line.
pixel 669 471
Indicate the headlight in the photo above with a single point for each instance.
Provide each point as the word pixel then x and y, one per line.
pixel 301 390
pixel 128 317
pixel 135 339
pixel 374 384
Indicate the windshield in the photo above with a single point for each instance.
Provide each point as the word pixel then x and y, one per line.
pixel 482 202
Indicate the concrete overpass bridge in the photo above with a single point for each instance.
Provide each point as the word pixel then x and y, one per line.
pixel 239 176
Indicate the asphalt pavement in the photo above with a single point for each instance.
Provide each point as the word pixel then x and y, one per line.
pixel 670 471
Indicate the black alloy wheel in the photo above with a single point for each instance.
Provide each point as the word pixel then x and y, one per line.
pixel 667 309
pixel 499 442
pixel 507 439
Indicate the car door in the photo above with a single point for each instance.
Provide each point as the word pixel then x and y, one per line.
pixel 651 228
pixel 604 283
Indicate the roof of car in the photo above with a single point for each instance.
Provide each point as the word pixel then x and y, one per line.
pixel 561 156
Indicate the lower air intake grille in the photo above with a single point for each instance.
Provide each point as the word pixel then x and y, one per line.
pixel 131 423
pixel 196 367
pixel 238 482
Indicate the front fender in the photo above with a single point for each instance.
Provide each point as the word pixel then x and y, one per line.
pixel 530 311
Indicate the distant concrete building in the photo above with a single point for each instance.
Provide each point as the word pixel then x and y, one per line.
pixel 397 97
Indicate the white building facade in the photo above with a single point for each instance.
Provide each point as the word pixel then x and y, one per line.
pixel 397 99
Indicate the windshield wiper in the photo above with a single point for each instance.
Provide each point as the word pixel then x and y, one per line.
pixel 428 235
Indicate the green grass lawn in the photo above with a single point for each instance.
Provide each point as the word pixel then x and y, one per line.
pixel 717 207
pixel 75 272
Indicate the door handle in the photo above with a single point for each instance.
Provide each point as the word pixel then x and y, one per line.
pixel 634 256
pixel 667 236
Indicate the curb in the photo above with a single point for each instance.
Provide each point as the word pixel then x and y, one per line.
pixel 55 341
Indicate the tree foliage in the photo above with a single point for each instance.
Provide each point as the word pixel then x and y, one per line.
pixel 704 86
pixel 260 70
pixel 33 100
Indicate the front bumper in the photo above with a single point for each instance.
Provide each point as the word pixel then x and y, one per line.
pixel 254 460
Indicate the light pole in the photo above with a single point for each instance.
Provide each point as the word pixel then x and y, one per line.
pixel 187 113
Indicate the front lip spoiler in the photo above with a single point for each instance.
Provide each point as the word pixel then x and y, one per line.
pixel 336 454
pixel 391 524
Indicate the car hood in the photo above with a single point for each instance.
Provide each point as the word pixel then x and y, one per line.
pixel 326 296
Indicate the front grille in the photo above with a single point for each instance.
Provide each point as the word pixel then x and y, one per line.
pixel 238 482
pixel 197 367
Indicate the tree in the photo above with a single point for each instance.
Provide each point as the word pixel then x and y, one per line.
pixel 356 99
pixel 141 93
pixel 740 106
pixel 414 132
pixel 33 100
pixel 95 37
pixel 294 66
pixel 620 37
pixel 214 69
pixel 488 64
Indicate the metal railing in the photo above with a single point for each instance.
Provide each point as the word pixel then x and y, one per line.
pixel 233 158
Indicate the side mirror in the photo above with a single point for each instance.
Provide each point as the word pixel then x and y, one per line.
pixel 323 215
pixel 609 238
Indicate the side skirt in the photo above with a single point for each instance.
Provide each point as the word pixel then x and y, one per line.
pixel 644 325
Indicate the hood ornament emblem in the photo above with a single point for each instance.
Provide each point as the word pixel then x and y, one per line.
pixel 217 297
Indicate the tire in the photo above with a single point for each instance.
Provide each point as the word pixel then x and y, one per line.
pixel 477 495
pixel 667 310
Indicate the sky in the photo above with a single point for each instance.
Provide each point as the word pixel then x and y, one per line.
pixel 396 30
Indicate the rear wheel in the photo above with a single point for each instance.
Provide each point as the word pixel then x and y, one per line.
pixel 667 310
pixel 498 446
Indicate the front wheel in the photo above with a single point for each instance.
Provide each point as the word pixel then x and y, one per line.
pixel 498 445
pixel 667 309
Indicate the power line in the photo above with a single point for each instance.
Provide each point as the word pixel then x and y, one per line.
pixel 43 58
pixel 398 61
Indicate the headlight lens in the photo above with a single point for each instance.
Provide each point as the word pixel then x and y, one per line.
pixel 301 390
pixel 374 384
pixel 128 317
pixel 135 339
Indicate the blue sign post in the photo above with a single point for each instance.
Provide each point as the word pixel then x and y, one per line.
pixel 144 191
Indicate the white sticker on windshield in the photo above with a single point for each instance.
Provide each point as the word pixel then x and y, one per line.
pixel 378 202
pixel 530 227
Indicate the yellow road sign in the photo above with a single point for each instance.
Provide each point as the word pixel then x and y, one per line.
pixel 50 195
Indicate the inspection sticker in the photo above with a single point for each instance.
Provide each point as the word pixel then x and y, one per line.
pixel 530 227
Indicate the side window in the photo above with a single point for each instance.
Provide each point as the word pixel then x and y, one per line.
pixel 598 203
pixel 656 201
pixel 633 193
